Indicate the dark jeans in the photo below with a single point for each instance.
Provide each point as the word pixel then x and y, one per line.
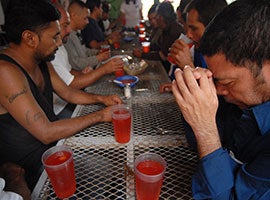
pixel 67 111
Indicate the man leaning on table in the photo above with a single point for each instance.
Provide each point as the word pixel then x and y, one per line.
pixel 233 145
pixel 74 78
pixel 28 125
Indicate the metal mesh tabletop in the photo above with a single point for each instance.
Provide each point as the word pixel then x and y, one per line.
pixel 104 168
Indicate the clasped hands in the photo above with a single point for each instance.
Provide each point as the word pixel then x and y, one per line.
pixel 196 96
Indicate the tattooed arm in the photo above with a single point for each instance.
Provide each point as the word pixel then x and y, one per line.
pixel 16 98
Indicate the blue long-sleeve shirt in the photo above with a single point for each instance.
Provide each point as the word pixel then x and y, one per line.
pixel 241 168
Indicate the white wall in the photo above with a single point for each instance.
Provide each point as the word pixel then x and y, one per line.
pixel 148 3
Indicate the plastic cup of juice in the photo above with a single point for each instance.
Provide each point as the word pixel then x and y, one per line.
pixel 142 37
pixel 59 165
pixel 104 48
pixel 121 118
pixel 149 172
pixel 188 41
pixel 119 73
pixel 146 47
pixel 142 30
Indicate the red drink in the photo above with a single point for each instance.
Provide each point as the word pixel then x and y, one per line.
pixel 122 126
pixel 119 73
pixel 146 47
pixel 142 37
pixel 149 190
pixel 142 24
pixel 104 48
pixel 60 169
pixel 149 172
pixel 121 118
pixel 142 30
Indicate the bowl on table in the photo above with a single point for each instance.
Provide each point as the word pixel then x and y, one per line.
pixel 123 80
pixel 128 38
pixel 136 68
pixel 129 33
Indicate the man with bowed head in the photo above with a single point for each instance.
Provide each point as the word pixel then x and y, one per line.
pixel 233 137
pixel 28 125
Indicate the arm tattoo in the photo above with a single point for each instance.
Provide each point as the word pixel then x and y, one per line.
pixel 34 118
pixel 14 96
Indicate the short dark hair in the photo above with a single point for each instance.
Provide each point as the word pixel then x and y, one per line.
pixel 241 33
pixel 80 3
pixel 33 15
pixel 105 7
pixel 207 9
pixel 166 10
pixel 91 4
pixel 182 5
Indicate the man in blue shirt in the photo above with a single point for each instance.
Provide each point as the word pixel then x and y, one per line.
pixel 233 138
pixel 92 34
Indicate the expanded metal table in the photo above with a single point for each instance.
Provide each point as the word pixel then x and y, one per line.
pixel 104 168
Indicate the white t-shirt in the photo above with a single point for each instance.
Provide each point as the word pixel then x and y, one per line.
pixel 8 195
pixel 132 12
pixel 63 68
pixel 106 24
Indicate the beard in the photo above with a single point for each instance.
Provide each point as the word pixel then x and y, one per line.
pixel 45 58
pixel 49 58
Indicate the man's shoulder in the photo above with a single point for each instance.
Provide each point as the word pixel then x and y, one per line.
pixel 7 67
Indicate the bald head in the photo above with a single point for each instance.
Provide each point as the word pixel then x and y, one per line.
pixel 76 6
pixel 79 14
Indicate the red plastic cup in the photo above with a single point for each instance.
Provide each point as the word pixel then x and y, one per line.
pixel 142 23
pixel 146 47
pixel 188 41
pixel 142 37
pixel 121 118
pixel 149 172
pixel 142 31
pixel 59 165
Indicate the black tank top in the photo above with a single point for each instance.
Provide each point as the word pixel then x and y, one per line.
pixel 16 143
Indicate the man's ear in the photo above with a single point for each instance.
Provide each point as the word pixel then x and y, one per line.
pixel 30 38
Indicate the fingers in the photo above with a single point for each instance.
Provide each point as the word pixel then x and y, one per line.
pixel 184 80
pixel 177 46
pixel 117 99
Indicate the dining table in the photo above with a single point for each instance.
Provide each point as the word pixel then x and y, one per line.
pixel 104 169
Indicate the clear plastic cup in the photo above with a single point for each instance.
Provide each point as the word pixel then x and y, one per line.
pixel 59 165
pixel 149 172
pixel 121 118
